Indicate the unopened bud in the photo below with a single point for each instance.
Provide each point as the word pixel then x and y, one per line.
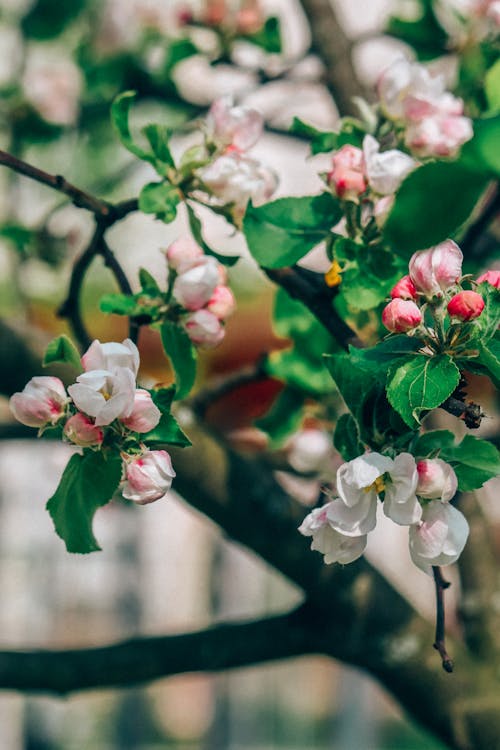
pixel 466 306
pixel 404 289
pixel 401 315
pixel 436 270
pixel 436 479
pixel 492 277
pixel 222 302
pixel 348 176
pixel 81 430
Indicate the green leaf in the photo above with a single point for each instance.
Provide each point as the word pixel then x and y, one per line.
pixel 195 226
pixel 489 357
pixel 268 37
pixel 182 355
pixel 346 438
pixel 160 199
pixel 492 86
pixel 421 383
pixel 433 443
pixel 177 50
pixel 62 349
pixel 418 219
pixel 322 141
pixel 284 416
pixel 119 116
pixel 482 151
pixel 148 282
pixel 484 328
pixel 48 18
pixel 119 304
pixel 88 483
pixel 282 232
pixel 159 138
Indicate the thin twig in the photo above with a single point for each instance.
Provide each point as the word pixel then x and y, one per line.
pixel 470 241
pixel 440 643
pixel 121 278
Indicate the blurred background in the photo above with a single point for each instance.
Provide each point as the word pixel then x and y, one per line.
pixel 165 568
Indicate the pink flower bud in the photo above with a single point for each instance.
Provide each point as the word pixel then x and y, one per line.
pixel 79 429
pixel 401 315
pixel 194 287
pixel 222 302
pixel 42 402
pixel 204 328
pixel 404 289
pixel 149 477
pixel 492 277
pixel 183 254
pixel 466 306
pixel 439 135
pixel 145 414
pixel 348 175
pixel 436 270
pixel 436 479
pixel 249 20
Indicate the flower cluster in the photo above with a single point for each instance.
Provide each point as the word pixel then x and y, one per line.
pixel 359 172
pixel 244 19
pixel 199 287
pixel 103 409
pixel 414 494
pixel 435 285
pixel 430 118
pixel 231 176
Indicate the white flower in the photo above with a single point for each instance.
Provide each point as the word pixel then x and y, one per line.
pixel 403 81
pixel 148 477
pixel 334 546
pixel 105 395
pixel 111 356
pixel 236 178
pixel 194 288
pixel 42 401
pixel 436 479
pixel 228 125
pixel 440 536
pixel 358 483
pixel 53 85
pixel 385 170
pixel 400 502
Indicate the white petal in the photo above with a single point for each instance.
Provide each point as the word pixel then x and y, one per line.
pixel 356 520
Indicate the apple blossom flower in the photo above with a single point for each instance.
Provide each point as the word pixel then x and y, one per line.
pixel 436 479
pixel 80 429
pixel 433 118
pixel 335 547
pixel 249 18
pixel 193 288
pixel 347 175
pixel 437 269
pixel 148 477
pixel 440 536
pixel 401 504
pixel 111 356
pixel 466 306
pixel 310 450
pixel 492 277
pixel 204 328
pixel 358 484
pixel 145 415
pixel 404 289
pixel 104 395
pixel 183 253
pixel 387 169
pixel 438 136
pixel 236 126
pixel 53 86
pixel 222 303
pixel 401 315
pixel 41 402
pixel 236 178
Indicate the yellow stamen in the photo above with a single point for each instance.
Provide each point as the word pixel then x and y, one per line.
pixel 378 485
pixel 333 275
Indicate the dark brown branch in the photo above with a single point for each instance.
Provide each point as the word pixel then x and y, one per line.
pixel 79 197
pixel 332 45
pixel 477 230
pixel 440 643
pixel 310 288
pixel 224 646
pixel 121 279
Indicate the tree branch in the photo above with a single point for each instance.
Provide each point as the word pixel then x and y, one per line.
pixel 310 288
pixel 224 646
pixel 332 45
pixel 440 641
